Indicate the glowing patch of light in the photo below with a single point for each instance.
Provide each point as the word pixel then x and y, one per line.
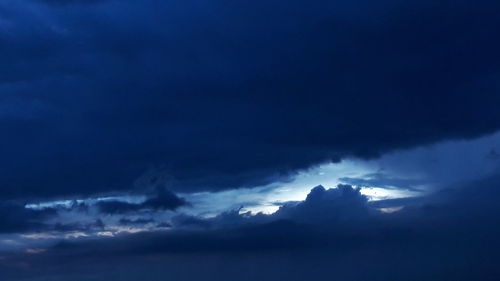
pixel 45 235
pixel 265 209
pixel 391 209
pixel 377 193
pixel 267 199
pixel 34 251
pixel 40 236
pixel 77 234
pixel 126 229
pixel 105 233
pixel 52 204
pixel 327 175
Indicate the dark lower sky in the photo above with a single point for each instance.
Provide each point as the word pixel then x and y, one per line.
pixel 249 140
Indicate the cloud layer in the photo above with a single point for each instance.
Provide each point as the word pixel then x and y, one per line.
pixel 103 102
pixel 222 95
pixel 450 235
pixel 162 200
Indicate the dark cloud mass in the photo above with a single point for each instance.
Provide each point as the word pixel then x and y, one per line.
pixel 343 203
pixel 223 94
pixel 133 130
pixel 15 218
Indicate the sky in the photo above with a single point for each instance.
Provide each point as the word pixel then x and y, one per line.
pixel 249 140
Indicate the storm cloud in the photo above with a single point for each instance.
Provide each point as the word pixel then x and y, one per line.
pixel 224 94
pixel 162 139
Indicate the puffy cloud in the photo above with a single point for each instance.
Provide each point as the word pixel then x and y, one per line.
pixel 343 203
pixel 322 206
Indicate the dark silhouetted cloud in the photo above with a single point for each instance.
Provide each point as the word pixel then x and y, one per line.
pixel 343 203
pixel 223 95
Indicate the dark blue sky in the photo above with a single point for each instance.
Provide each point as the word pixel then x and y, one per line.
pixel 184 140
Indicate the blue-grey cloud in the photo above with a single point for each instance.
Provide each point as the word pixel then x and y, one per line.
pixel 125 221
pixel 14 218
pixel 340 204
pixel 380 179
pixel 449 235
pixel 162 200
pixel 225 95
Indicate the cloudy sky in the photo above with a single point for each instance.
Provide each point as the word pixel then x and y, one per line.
pixel 249 140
